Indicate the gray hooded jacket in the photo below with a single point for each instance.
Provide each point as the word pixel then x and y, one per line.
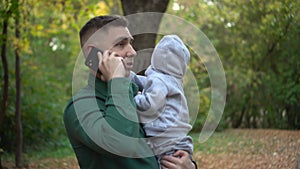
pixel 162 106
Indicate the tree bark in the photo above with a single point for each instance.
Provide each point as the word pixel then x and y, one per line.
pixel 146 40
pixel 238 121
pixel 19 128
pixel 5 66
pixel 1 152
pixel 293 117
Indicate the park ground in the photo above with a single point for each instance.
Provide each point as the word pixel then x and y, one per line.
pixel 229 149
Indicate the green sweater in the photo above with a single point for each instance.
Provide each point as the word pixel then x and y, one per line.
pixel 103 128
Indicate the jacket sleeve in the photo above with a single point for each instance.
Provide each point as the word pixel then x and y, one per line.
pixel 113 128
pixel 139 80
pixel 152 99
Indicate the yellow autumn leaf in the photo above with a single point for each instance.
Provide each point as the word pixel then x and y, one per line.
pixel 103 9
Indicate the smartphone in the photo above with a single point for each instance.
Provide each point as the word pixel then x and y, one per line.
pixel 92 60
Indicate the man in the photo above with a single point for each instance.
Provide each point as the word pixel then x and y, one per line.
pixel 101 120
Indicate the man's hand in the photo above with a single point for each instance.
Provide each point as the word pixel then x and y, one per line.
pixel 111 66
pixel 180 160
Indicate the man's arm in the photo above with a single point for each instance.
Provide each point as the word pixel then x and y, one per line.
pixel 113 128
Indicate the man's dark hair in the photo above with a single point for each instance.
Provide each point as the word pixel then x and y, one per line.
pixel 98 22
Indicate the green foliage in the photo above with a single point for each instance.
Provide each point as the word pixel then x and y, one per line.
pixel 257 42
pixel 49 49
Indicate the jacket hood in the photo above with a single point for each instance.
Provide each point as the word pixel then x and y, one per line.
pixel 171 56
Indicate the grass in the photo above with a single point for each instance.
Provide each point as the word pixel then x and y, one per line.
pixel 225 142
pixel 64 150
pixel 220 142
pixel 57 152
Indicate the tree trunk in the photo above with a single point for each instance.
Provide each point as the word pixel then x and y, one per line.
pixel 5 67
pixel 146 40
pixel 19 128
pixel 237 123
pixel 293 117
pixel 1 152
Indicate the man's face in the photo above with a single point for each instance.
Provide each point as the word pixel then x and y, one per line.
pixel 118 40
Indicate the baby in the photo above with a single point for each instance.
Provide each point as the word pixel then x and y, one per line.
pixel 162 106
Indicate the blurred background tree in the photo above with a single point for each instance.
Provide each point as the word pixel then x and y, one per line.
pixel 257 41
pixel 257 44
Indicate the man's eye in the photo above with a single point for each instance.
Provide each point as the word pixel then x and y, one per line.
pixel 121 44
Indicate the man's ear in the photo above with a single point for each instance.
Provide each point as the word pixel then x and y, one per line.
pixel 87 49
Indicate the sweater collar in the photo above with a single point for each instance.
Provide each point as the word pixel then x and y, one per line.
pixel 97 84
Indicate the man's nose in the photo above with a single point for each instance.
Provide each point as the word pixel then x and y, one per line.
pixel 131 52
